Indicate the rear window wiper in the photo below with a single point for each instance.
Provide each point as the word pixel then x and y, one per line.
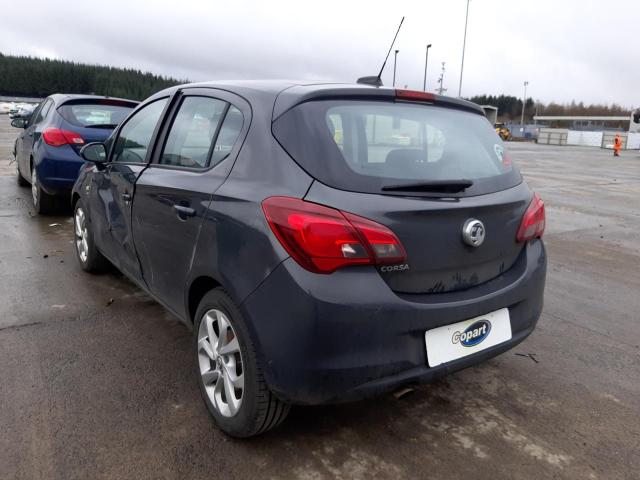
pixel 436 186
pixel 102 125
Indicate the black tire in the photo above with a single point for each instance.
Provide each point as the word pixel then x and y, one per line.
pixel 260 409
pixel 93 261
pixel 19 178
pixel 43 203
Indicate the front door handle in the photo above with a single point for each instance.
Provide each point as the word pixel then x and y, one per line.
pixel 183 211
pixel 127 198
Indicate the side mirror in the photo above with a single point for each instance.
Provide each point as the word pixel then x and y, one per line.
pixel 20 122
pixel 94 152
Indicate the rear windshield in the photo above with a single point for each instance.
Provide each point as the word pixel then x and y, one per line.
pixel 367 145
pixel 94 114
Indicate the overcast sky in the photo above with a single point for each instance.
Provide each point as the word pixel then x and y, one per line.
pixel 567 49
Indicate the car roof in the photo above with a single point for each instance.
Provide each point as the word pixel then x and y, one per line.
pixel 288 93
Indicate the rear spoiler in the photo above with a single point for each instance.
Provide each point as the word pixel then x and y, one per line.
pixel 121 102
pixel 290 97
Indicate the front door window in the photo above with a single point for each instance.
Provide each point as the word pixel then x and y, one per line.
pixel 135 136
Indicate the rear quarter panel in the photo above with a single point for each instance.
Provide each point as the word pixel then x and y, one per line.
pixel 235 246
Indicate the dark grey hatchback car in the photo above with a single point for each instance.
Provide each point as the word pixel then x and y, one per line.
pixel 327 242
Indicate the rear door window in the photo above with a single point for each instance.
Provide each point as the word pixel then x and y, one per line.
pixel 41 113
pixel 45 111
pixel 228 135
pixel 365 146
pixel 203 133
pixel 191 135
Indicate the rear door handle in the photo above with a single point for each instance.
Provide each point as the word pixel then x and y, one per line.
pixel 127 198
pixel 184 211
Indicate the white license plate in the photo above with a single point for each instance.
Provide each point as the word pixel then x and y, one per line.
pixel 467 337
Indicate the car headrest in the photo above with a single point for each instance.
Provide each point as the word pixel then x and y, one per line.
pixel 404 156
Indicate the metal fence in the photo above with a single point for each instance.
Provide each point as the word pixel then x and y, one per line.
pixel 564 136
pixel 584 138
pixel 553 136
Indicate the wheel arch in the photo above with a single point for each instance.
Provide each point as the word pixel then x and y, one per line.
pixel 75 196
pixel 198 288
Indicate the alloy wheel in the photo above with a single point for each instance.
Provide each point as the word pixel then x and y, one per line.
pixel 34 186
pixel 82 244
pixel 220 362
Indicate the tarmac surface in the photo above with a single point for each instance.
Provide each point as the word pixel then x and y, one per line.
pixel 97 381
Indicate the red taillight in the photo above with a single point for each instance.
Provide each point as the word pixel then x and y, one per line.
pixel 382 242
pixel 533 221
pixel 56 137
pixel 323 239
pixel 415 95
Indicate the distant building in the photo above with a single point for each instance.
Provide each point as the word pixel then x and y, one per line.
pixel 584 122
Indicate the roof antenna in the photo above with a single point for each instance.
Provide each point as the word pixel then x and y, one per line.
pixel 377 81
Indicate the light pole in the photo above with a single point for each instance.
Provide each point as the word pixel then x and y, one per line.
pixel 523 104
pixel 464 44
pixel 395 59
pixel 426 60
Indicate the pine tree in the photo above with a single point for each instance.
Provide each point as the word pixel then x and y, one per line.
pixel 37 77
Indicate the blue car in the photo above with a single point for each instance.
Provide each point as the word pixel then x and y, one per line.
pixel 47 150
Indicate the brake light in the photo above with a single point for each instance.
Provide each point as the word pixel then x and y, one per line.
pixel 415 95
pixel 323 239
pixel 533 221
pixel 116 103
pixel 56 137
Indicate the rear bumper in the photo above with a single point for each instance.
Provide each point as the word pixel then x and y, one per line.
pixel 57 169
pixel 346 336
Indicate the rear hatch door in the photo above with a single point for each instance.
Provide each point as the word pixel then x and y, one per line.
pixel 422 169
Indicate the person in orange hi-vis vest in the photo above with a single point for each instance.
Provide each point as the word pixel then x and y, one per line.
pixel 617 145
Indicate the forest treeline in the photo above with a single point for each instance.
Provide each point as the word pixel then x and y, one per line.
pixel 510 107
pixel 40 77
